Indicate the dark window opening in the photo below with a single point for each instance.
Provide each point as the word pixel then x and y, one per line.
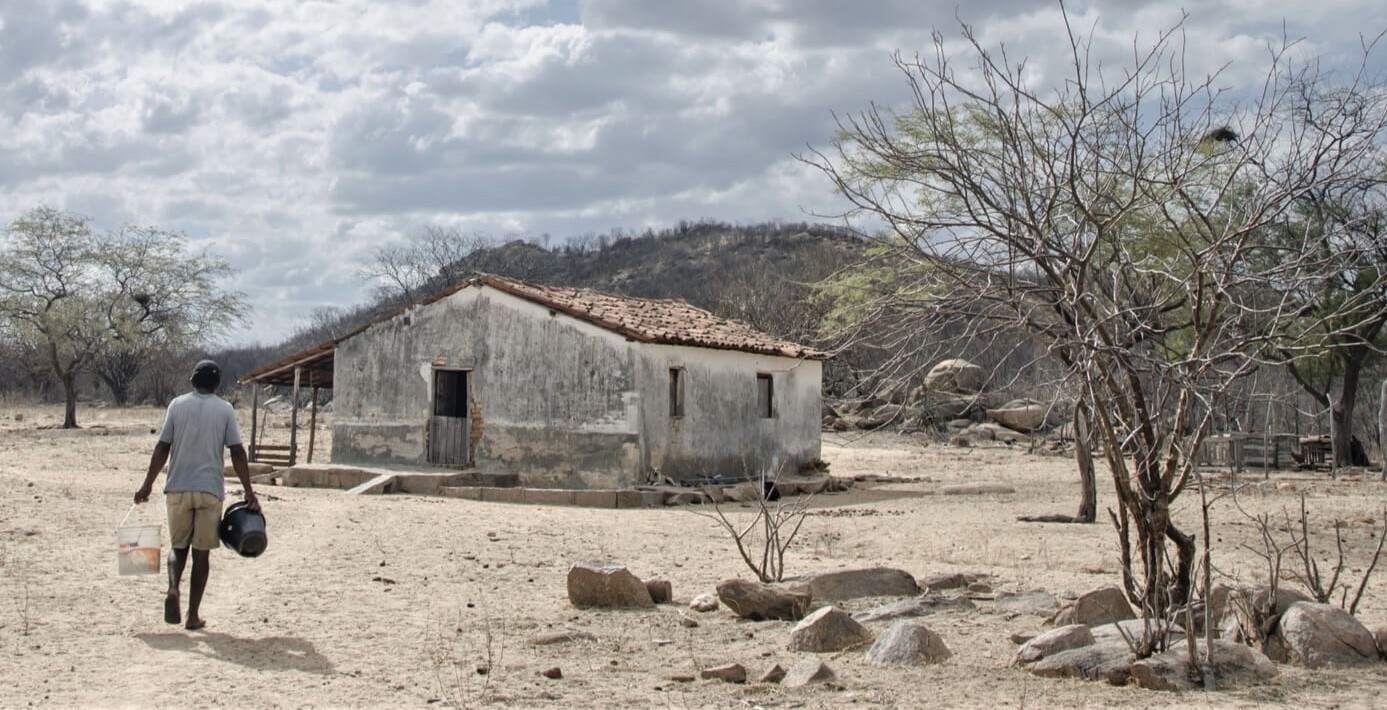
pixel 765 395
pixel 676 391
pixel 450 393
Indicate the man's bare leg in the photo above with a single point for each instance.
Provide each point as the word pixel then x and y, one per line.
pixel 202 565
pixel 177 562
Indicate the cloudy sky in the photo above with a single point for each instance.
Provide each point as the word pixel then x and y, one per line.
pixel 295 137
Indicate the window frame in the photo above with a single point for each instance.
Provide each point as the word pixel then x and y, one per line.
pixel 677 391
pixel 765 395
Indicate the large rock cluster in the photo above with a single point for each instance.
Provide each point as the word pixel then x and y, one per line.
pixel 954 395
pixel 1094 635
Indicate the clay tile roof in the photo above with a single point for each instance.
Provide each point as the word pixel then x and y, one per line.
pixel 647 320
pixel 651 320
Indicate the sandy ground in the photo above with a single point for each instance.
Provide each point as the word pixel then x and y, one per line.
pixel 393 601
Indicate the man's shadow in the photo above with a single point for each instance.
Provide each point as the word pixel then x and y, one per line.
pixel 272 653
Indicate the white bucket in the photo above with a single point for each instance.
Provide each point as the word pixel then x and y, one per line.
pixel 138 548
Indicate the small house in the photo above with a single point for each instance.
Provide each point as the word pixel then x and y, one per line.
pixel 567 387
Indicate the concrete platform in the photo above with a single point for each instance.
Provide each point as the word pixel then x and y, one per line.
pixel 506 488
pixel 362 479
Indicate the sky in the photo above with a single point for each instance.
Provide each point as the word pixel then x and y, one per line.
pixel 295 138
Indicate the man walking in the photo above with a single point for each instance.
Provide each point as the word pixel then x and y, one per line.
pixel 197 428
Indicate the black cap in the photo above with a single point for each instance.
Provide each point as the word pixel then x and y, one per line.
pixel 207 375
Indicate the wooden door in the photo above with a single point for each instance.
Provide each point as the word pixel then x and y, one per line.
pixel 449 427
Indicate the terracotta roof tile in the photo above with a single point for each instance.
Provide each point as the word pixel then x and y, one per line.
pixel 651 320
pixel 648 320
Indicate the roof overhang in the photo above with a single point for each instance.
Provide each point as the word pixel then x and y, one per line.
pixel 313 365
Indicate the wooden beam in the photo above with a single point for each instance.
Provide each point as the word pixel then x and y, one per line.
pixel 312 423
pixel 254 416
pixel 294 418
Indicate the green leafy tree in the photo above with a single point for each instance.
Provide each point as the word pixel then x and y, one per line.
pixel 1347 309
pixel 101 303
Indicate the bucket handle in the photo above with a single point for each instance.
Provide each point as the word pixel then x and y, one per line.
pixel 127 515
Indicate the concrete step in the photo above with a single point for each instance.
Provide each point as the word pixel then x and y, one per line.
pixel 587 498
pixel 375 486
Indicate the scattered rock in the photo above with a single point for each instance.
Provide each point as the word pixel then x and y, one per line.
pixel 1100 661
pixel 1318 635
pixel 1119 631
pixel 774 674
pixel 976 489
pixel 953 408
pixel 1380 636
pixel 1103 605
pixel 682 678
pixel 810 670
pixel 857 583
pixel 762 602
pixel 960 441
pixel 661 591
pixel 828 630
pixel 1033 603
pixel 704 603
pixel 561 637
pixel 1053 641
pixel 955 375
pixel 919 606
pixel 730 673
pixel 1233 664
pixel 941 582
pixel 687 623
pixel 997 432
pixel 554 673
pixel 908 643
pixel 601 584
pixel 1025 415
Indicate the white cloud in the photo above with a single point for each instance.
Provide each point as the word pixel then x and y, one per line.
pixel 294 137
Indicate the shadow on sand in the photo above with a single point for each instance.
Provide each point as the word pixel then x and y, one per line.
pixel 272 653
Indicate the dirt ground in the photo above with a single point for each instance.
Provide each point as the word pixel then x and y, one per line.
pixel 394 601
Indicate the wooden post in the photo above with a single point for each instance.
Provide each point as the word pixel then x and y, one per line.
pixel 1333 439
pixel 312 423
pixel 254 415
pixel 294 419
pixel 1382 429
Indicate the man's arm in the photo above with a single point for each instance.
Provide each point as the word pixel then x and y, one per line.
pixel 238 462
pixel 156 464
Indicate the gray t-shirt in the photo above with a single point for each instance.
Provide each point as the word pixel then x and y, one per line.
pixel 198 428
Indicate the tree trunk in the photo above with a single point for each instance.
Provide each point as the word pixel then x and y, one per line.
pixel 1342 411
pixel 1382 429
pixel 69 381
pixel 120 389
pixel 1083 452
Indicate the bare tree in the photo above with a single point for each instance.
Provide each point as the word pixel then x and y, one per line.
pixel 1120 217
pixel 434 256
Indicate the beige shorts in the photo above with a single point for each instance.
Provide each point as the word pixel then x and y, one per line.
pixel 194 517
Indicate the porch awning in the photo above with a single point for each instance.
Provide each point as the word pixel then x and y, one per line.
pixel 314 365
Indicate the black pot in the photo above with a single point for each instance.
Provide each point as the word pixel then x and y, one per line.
pixel 243 530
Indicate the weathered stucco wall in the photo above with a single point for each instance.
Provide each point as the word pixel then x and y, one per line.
pixel 722 432
pixel 564 403
pixel 552 398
